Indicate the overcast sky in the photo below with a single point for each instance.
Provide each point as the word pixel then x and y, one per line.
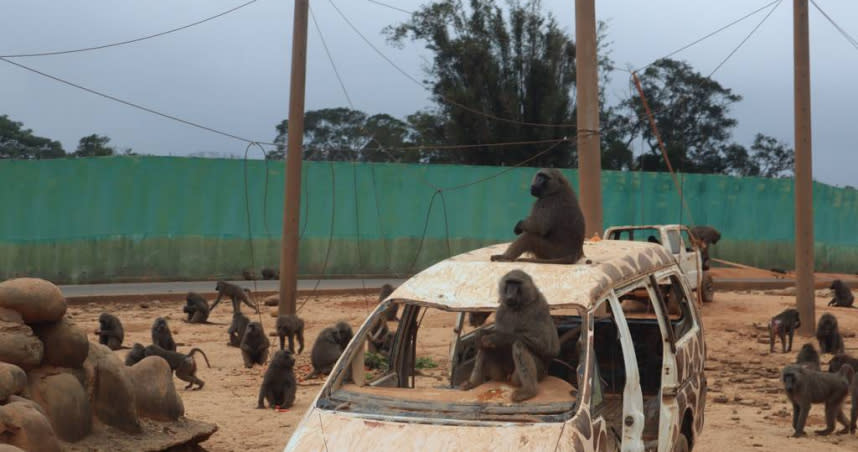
pixel 232 73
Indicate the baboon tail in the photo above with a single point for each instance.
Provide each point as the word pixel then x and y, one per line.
pixel 194 350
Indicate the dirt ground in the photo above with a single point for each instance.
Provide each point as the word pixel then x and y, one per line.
pixel 746 408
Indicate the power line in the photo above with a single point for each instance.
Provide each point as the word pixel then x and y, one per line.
pixel 693 43
pixel 745 40
pixel 132 104
pixel 130 41
pixel 331 58
pixel 840 29
pixel 442 97
pixel 390 6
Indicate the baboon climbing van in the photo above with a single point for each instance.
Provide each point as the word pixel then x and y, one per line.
pixel 629 376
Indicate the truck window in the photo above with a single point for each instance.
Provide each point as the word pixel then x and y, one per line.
pixel 679 311
pixel 686 240
pixel 673 241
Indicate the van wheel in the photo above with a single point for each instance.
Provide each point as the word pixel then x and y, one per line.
pixel 681 444
pixel 707 288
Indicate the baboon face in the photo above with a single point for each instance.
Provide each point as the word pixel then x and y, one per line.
pixel 344 333
pixel 545 182
pixel 795 320
pixel 283 359
pixel 253 328
pixel 219 286
pixel 103 319
pixel 827 324
pixel 836 363
pixel 790 379
pixel 514 289
pixel 160 324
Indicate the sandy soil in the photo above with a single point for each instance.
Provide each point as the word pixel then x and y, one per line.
pixel 746 408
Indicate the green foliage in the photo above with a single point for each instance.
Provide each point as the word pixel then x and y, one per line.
pixel 19 143
pixel 373 360
pixel 492 62
pixel 425 362
pixel 94 146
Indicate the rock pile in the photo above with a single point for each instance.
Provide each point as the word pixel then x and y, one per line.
pixel 56 386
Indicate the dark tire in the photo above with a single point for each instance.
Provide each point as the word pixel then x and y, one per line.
pixel 707 288
pixel 681 444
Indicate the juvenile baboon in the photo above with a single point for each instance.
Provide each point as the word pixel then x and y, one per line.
pixel 380 337
pixel 278 384
pixel 248 274
pixel 197 308
pixel 706 236
pixel 254 345
pixel 523 342
pixel 330 344
pixel 292 326
pixel 268 273
pixel 808 357
pixel 184 364
pixel 110 331
pixel 554 230
pixel 828 335
pixel 393 310
pixel 136 353
pixel 782 325
pixel 237 328
pixel 841 359
pixel 842 295
pixel 161 335
pixel 477 319
pixel 805 387
pixel 235 293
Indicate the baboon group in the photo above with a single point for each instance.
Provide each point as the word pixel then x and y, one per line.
pixel 805 382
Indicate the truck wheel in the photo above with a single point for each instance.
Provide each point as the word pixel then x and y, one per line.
pixel 707 288
pixel 681 444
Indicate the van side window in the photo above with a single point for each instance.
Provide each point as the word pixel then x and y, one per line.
pixel 678 308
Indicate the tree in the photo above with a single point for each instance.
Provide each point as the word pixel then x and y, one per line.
pixel 346 134
pixel 19 143
pixel 94 146
pixel 491 64
pixel 691 113
pixel 772 157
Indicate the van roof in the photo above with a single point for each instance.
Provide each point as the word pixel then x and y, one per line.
pixel 469 281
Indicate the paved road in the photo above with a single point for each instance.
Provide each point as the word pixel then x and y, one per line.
pixel 87 290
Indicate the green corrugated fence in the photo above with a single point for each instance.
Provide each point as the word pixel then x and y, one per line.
pixel 146 218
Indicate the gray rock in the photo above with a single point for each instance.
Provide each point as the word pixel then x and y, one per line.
pixel 154 390
pixel 19 346
pixel 13 381
pixel 27 428
pixel 65 344
pixel 65 402
pixel 111 390
pixel 35 299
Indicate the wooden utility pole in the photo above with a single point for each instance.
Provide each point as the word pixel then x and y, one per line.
pixel 587 84
pixel 804 295
pixel 294 151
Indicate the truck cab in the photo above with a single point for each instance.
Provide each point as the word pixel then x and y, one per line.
pixel 624 381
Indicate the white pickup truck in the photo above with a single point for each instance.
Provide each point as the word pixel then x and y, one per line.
pixel 677 239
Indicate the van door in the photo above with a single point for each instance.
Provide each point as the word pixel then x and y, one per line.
pixel 689 259
pixel 617 391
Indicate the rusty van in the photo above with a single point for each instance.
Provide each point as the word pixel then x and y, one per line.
pixel 625 380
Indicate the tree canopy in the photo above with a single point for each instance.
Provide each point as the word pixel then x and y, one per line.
pixel 17 142
pixel 94 146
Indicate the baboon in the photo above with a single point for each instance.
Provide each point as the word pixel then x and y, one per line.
pixel 523 342
pixel 248 274
pixel 237 328
pixel 330 344
pixel 161 335
pixel 828 335
pixel 254 345
pixel 380 337
pixel 848 370
pixel 184 364
pixel 706 236
pixel 808 357
pixel 278 384
pixel 110 331
pixel 477 319
pixel 268 273
pixel 842 295
pixel 393 310
pixel 841 359
pixel 782 324
pixel 805 387
pixel 292 326
pixel 554 230
pixel 235 293
pixel 136 353
pixel 197 308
